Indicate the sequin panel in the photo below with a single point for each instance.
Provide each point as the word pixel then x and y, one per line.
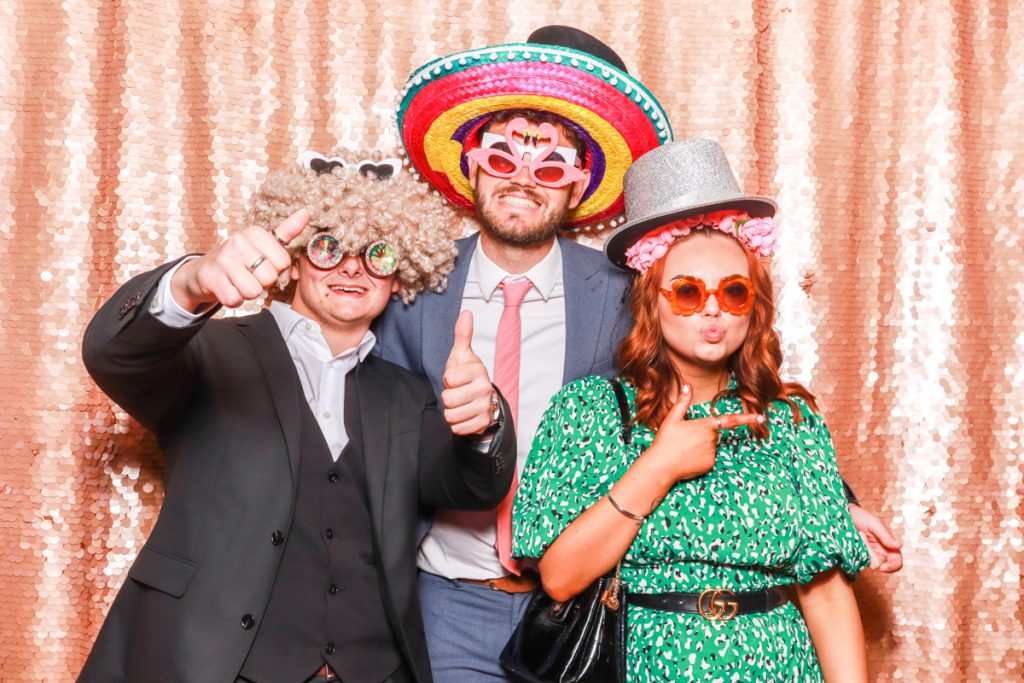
pixel 889 132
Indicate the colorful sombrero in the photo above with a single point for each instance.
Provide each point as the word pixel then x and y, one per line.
pixel 447 101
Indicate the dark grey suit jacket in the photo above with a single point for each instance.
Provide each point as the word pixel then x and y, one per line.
pixel 418 336
pixel 223 399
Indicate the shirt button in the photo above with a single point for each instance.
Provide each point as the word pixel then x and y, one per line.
pixel 277 538
pixel 333 477
pixel 327 415
pixel 309 326
pixel 329 648
pixel 248 621
pixel 329 533
pixel 332 589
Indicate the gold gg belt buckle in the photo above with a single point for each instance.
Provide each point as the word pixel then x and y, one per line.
pixel 712 607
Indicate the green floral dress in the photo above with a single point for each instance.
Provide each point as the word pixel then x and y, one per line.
pixel 769 513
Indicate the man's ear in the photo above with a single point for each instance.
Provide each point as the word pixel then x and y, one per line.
pixel 473 168
pixel 395 286
pixel 578 188
pixel 293 272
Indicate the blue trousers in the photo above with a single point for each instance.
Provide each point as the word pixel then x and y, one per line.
pixel 467 627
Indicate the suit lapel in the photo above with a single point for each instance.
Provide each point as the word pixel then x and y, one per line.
pixel 585 293
pixel 375 422
pixel 440 312
pixel 282 382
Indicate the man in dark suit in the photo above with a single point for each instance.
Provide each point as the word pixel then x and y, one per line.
pixel 296 462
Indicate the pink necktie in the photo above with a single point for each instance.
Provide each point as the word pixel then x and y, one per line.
pixel 506 378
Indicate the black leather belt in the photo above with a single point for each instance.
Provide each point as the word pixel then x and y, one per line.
pixel 714 604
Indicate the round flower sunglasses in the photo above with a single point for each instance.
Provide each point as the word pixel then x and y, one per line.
pixel 688 295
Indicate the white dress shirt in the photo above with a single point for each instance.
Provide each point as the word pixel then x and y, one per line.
pixel 460 544
pixel 321 373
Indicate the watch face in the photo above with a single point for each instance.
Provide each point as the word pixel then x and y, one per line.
pixel 496 417
pixel 495 409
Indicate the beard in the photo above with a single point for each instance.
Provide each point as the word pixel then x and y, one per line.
pixel 513 230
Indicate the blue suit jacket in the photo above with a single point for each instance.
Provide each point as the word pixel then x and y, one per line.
pixel 419 336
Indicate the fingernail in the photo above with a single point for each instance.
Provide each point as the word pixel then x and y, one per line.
pixel 760 419
pixel 686 388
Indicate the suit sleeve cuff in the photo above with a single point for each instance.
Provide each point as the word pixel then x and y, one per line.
pixel 165 309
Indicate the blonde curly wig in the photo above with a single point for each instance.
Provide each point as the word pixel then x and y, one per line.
pixel 359 210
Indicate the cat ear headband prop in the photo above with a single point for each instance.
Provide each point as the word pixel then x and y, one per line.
pixel 381 169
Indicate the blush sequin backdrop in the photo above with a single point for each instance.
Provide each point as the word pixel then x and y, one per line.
pixel 890 132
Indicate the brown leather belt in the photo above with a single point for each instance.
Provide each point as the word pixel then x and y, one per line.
pixel 326 673
pixel 527 582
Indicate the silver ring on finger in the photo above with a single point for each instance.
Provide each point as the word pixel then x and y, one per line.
pixel 256 264
pixel 279 240
pixel 718 423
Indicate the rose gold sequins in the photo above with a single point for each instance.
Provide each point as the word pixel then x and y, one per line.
pixel 890 133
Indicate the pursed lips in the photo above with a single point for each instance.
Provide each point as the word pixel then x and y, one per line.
pixel 713 333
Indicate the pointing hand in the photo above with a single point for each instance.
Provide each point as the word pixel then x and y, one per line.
pixel 688 447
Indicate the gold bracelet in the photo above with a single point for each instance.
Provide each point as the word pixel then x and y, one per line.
pixel 632 515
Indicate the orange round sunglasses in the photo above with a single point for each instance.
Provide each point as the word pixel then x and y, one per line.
pixel 688 295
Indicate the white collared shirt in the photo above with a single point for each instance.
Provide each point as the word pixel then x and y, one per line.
pixel 461 544
pixel 321 373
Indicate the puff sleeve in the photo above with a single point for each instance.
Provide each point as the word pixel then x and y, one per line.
pixel 828 536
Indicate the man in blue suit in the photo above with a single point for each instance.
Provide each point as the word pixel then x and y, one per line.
pixel 536 137
pixel 530 172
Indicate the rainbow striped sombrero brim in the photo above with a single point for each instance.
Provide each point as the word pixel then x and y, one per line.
pixel 448 99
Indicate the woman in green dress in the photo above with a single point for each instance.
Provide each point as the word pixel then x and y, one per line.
pixel 726 507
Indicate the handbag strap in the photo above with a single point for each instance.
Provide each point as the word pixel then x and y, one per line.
pixel 627 419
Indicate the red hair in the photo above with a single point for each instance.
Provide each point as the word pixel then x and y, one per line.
pixel 645 360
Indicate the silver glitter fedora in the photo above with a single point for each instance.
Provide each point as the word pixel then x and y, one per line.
pixel 677 180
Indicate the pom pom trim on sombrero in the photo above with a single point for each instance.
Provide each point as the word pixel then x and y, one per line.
pixel 447 99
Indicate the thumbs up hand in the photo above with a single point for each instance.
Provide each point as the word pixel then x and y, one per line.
pixel 238 269
pixel 467 386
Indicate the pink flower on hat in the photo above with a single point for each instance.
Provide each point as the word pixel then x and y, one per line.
pixel 759 234
pixel 756 234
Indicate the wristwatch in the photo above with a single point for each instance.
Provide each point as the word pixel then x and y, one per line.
pixel 496 416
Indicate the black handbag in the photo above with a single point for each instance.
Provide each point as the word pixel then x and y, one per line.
pixel 581 640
